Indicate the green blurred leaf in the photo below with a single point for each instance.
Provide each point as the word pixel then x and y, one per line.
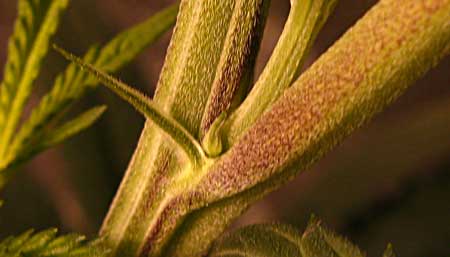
pixel 52 137
pixel 282 240
pixel 47 244
pixel 125 46
pixel 389 252
pixel 36 23
pixel 319 241
pixel 71 128
pixel 73 83
pixel 260 240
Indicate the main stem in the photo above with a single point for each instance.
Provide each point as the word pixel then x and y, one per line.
pixel 149 205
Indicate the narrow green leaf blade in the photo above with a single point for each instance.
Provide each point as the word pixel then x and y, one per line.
pixel 128 44
pixel 50 138
pixel 69 129
pixel 63 244
pixel 46 112
pixel 27 48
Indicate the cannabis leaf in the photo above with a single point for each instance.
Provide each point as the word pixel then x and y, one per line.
pixel 67 130
pixel 43 128
pixel 47 244
pixel 272 240
pixel 36 23
pixel 72 83
pixel 275 240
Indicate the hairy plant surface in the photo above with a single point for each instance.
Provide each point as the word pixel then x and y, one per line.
pixel 214 143
pixel 169 205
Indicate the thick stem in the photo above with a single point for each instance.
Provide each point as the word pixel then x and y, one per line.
pixel 367 69
pixel 157 174
pixel 393 45
pixel 373 63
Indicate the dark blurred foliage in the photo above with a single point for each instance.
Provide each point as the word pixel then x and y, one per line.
pixel 388 182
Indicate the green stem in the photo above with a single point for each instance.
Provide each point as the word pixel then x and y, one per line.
pixel 369 67
pixel 135 225
pixel 237 59
pixel 305 20
pixel 393 45
pixel 155 215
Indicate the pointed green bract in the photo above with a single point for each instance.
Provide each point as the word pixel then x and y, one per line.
pixel 145 106
pixel 47 244
pixel 212 142
pixel 27 48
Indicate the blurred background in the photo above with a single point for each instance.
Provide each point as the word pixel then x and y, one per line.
pixel 388 182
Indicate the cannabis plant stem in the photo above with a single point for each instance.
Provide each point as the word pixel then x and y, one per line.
pixel 394 44
pixel 369 67
pixel 354 80
pixel 194 61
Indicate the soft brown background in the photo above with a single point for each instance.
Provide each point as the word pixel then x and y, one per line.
pixel 388 182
